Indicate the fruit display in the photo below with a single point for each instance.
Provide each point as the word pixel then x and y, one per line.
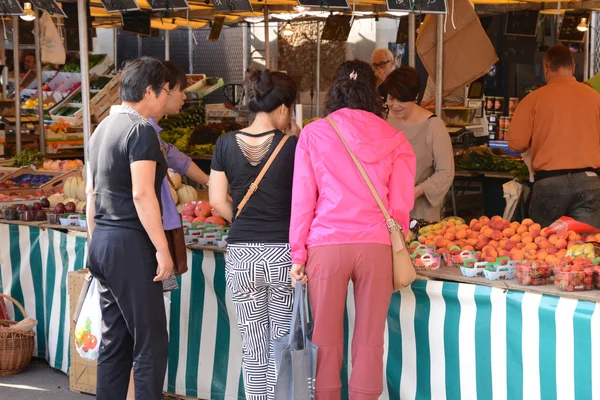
pixel 574 278
pixel 438 226
pixel 426 261
pixel 59 127
pixel 32 103
pixel 26 181
pixel 67 111
pixel 533 273
pixel 61 165
pixel 496 237
pixel 585 250
pixel 28 157
pixel 497 271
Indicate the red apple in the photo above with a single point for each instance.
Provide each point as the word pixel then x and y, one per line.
pixel 203 209
pixel 188 209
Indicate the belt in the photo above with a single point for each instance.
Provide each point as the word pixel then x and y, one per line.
pixel 539 175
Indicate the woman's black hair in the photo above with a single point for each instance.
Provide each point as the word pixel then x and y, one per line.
pixel 176 76
pixel 403 84
pixel 266 90
pixel 138 75
pixel 354 87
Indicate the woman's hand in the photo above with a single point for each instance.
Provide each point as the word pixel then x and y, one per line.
pixel 293 129
pixel 165 265
pixel 419 191
pixel 297 274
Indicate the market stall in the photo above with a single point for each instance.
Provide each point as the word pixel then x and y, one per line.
pixel 455 338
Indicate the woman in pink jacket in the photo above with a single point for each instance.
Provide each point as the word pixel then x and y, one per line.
pixel 339 233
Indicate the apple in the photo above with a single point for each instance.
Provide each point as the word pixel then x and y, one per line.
pixel 45 202
pixel 203 209
pixel 60 208
pixel 36 206
pixel 70 207
pixel 188 209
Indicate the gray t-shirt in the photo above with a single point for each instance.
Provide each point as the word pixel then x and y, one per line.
pixel 119 140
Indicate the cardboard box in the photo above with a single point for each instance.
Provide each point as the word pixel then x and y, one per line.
pixel 82 374
pixel 468 51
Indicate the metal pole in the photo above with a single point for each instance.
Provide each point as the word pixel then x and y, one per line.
pixel 167 45
pixel 318 74
pixel 115 35
pixel 592 40
pixel 3 62
pixel 15 20
pixel 40 92
pixel 411 40
pixel 439 62
pixel 139 43
pixel 267 40
pixel 586 56
pixel 190 51
pixel 85 74
pixel 246 53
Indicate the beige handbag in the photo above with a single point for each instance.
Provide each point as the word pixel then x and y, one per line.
pixel 403 269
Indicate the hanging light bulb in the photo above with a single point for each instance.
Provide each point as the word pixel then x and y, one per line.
pixel 583 26
pixel 28 13
pixel 287 30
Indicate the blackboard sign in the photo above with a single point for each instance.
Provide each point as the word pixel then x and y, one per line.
pixel 168 5
pixel 337 28
pixel 418 6
pixel 519 49
pixel 10 7
pixel 324 3
pixel 50 6
pixel 26 36
pixel 114 6
pixel 521 23
pixel 232 5
pixel 568 28
pixel 72 27
pixel 215 29
pixel 137 22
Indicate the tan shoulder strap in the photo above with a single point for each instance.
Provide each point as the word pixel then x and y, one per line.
pixel 389 221
pixel 254 185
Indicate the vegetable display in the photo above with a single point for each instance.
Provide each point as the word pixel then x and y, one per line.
pixel 74 64
pixel 484 159
pixel 28 157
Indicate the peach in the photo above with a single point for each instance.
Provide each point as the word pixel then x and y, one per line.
pixel 473 222
pixel 509 232
pixel 496 225
pixel 489 251
pixel 527 222
pixel 471 242
pixel 422 239
pixel 532 246
pixel 515 238
pixel 477 227
pixel 484 220
pixel 503 253
pixel 430 243
pixel 530 254
pixel 449 236
pixel 538 239
pixel 561 254
pixel 527 238
pixel 552 250
pixel 462 226
pixel 562 234
pixel 535 227
pixel 541 255
pixel 507 224
pixel 520 246
pixel 497 235
pixel 516 255
pixel 488 233
pixel 442 243
pixel 494 244
pixel 461 234
pixel 590 238
pixel 509 245
pixel 552 260
pixel 571 244
pixel 553 239
pixel 451 229
pixel 469 247
pixel 544 232
pixel 534 232
pixel 460 243
pixel 502 243
pixel 481 244
pixel 473 235
pixel 561 244
pixel 522 229
pixel 574 236
pixel 489 259
pixel 442 231
pixel 443 250
pixel 515 225
pixel 496 218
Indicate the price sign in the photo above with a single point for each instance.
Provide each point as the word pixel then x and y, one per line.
pixel 232 5
pixel 418 6
pixel 50 6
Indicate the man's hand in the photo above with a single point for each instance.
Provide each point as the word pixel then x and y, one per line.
pixel 165 265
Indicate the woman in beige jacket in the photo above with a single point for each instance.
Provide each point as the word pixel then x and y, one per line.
pixel 429 138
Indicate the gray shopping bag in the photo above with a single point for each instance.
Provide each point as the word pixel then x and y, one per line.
pixel 296 356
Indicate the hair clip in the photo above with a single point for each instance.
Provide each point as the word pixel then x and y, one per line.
pixel 353 75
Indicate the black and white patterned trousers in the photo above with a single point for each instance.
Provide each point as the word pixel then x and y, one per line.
pixel 258 275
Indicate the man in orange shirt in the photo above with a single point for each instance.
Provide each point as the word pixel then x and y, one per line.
pixel 560 123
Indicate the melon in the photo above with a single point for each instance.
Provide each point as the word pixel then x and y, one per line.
pixel 71 186
pixel 81 192
pixel 187 193
pixel 80 207
pixel 174 195
pixel 175 179
pixel 180 208
pixel 55 199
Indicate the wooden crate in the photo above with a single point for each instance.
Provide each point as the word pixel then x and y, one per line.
pixel 107 96
pixel 49 187
pixel 82 373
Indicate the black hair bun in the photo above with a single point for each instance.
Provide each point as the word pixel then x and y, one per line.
pixel 259 83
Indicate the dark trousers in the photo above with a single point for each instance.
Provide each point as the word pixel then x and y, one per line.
pixel 134 331
pixel 575 195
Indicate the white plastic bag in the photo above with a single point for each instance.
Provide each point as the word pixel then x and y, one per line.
pixel 53 49
pixel 88 330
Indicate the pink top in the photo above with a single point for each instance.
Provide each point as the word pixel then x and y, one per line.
pixel 331 203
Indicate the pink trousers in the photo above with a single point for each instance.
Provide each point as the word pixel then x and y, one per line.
pixel 329 269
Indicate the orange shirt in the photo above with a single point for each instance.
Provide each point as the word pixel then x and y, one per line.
pixel 560 122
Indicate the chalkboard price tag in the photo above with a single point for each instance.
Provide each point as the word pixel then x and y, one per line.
pixel 168 5
pixel 521 23
pixel 568 28
pixel 232 5
pixel 519 49
pixel 114 6
pixel 50 6
pixel 324 4
pixel 215 29
pixel 418 6
pixel 10 7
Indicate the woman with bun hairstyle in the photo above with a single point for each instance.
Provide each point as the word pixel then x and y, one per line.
pixel 258 252
pixel 338 233
pixel 428 137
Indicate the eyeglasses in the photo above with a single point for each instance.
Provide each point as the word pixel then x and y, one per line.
pixel 381 64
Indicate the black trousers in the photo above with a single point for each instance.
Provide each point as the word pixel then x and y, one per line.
pixel 575 195
pixel 134 331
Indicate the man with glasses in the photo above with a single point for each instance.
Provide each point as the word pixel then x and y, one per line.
pixel 383 64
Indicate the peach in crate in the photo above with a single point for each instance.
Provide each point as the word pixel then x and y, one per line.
pixel 426 261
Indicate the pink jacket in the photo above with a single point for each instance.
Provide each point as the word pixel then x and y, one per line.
pixel 331 203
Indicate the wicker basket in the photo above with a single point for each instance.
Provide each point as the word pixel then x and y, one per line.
pixel 16 347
